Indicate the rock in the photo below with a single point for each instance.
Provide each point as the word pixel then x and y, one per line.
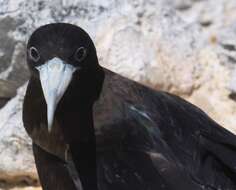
pixel 212 94
pixel 153 46
pixel 7 24
pixel 232 85
pixel 8 90
pixel 27 188
pixel 13 69
pixel 21 188
pixel 182 5
pixel 10 49
pixel 17 162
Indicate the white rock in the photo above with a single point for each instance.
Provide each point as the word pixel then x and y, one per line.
pixel 232 85
pixel 17 162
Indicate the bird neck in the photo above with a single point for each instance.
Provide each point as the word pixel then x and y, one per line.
pixel 84 158
pixel 76 121
pixel 75 115
pixel 82 144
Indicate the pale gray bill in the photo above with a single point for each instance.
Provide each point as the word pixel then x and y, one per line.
pixel 55 77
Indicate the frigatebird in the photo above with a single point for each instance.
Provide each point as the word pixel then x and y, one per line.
pixel 94 129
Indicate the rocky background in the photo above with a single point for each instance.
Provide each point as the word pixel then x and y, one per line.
pixel 186 47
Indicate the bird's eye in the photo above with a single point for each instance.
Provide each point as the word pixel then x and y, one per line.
pixel 34 54
pixel 80 54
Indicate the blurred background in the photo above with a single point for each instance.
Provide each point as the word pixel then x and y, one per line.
pixel 186 47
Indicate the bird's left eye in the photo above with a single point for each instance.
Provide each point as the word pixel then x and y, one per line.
pixel 34 54
pixel 80 54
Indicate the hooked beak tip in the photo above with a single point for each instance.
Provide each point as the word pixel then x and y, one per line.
pixel 49 127
pixel 50 116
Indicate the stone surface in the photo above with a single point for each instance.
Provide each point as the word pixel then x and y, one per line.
pixel 20 188
pixel 153 46
pixel 26 188
pixel 7 91
pixel 17 163
pixel 13 71
pixel 232 85
pixel 187 47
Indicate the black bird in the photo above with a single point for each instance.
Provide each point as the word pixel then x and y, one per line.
pixel 93 129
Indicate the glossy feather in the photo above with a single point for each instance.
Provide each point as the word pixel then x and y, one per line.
pixel 111 133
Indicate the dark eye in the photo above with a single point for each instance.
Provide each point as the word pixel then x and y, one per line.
pixel 80 54
pixel 34 54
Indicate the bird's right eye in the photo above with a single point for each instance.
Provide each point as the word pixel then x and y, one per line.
pixel 80 54
pixel 34 54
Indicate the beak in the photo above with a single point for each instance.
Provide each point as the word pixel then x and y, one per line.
pixel 55 77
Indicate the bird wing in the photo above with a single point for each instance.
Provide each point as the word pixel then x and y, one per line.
pixel 131 154
pixel 206 150
pixel 162 141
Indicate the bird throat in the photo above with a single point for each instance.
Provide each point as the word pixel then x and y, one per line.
pixel 78 130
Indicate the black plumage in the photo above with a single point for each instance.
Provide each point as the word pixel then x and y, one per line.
pixel 111 133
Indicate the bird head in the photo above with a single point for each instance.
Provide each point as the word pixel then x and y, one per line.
pixel 56 55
